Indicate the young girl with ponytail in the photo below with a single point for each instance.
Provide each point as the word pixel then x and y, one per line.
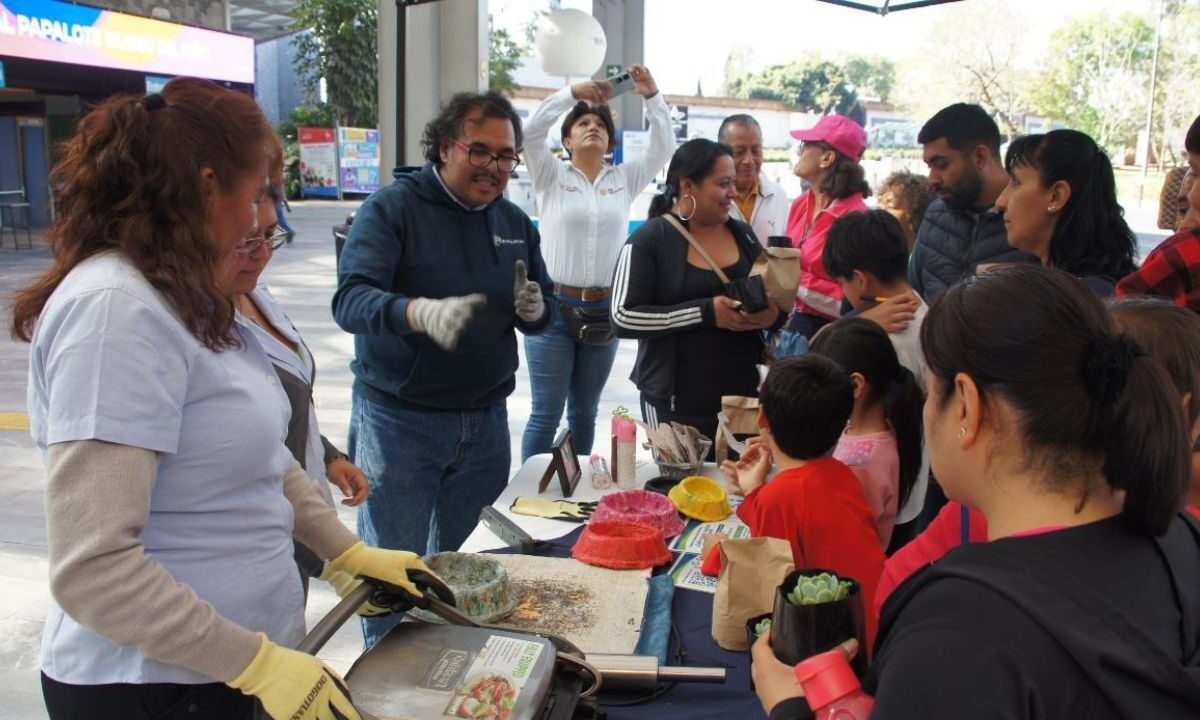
pixel 882 441
pixel 1068 437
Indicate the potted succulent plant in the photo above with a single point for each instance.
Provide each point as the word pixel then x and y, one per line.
pixel 757 626
pixel 815 611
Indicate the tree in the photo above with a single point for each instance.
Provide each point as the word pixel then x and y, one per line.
pixel 737 65
pixel 873 77
pixel 974 53
pixel 811 84
pixel 1179 66
pixel 1097 77
pixel 336 42
pixel 504 57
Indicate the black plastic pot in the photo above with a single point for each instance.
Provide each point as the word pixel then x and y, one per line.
pixel 661 484
pixel 801 631
pixel 750 625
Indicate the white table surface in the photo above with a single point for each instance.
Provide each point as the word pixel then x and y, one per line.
pixel 524 484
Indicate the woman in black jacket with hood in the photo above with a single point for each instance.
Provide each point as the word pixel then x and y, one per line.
pixel 695 342
pixel 1070 440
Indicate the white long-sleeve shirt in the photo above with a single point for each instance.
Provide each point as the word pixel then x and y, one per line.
pixel 583 225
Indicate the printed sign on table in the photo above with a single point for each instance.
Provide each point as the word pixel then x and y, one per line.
pixel 691 540
pixel 318 162
pixel 686 574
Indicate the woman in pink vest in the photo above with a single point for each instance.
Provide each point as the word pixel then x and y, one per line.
pixel 829 162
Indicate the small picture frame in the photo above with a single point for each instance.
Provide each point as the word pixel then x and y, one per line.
pixel 564 463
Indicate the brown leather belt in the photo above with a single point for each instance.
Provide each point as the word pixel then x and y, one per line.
pixel 590 294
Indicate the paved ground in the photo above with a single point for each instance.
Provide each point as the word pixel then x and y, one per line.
pixel 302 278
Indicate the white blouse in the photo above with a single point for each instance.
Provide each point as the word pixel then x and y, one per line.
pixel 583 225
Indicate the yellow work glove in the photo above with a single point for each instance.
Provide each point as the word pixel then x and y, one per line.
pixel 553 509
pixel 390 566
pixel 344 583
pixel 294 686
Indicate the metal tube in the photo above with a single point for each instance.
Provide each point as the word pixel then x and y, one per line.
pixel 672 673
pixel 643 671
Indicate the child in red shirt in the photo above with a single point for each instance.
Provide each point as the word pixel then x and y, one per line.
pixel 816 503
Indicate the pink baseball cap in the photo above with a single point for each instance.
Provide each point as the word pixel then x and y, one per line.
pixel 838 132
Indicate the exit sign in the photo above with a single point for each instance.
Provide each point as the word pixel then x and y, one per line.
pixel 611 71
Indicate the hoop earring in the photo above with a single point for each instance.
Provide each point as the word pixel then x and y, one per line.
pixel 687 217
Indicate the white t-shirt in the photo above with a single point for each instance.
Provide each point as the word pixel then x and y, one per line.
pixel 908 349
pixel 110 361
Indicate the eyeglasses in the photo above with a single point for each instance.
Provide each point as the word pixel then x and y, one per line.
pixel 482 158
pixel 250 245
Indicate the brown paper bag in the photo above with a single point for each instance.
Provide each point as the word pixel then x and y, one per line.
pixel 751 570
pixel 741 417
pixel 780 270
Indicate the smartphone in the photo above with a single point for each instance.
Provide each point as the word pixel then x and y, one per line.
pixel 621 84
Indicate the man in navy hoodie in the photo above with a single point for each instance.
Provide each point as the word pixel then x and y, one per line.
pixel 437 273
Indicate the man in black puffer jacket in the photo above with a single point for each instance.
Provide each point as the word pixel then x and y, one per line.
pixel 961 229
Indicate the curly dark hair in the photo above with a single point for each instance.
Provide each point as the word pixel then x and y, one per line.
pixel 448 125
pixel 911 193
pixel 129 179
pixel 583 109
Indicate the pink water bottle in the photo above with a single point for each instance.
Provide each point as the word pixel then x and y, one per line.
pixel 832 688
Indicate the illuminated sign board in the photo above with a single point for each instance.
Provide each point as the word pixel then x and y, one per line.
pixel 61 32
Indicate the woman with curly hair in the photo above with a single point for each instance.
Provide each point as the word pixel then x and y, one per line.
pixel 906 196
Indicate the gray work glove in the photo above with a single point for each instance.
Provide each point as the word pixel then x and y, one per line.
pixel 443 320
pixel 528 294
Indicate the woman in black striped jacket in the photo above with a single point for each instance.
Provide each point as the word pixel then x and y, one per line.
pixel 695 343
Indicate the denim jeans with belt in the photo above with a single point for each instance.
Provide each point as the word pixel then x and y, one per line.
pixel 564 371
pixel 431 472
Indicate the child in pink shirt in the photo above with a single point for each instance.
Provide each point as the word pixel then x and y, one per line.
pixel 882 441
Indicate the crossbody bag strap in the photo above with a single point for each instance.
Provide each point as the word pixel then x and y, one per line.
pixel 696 245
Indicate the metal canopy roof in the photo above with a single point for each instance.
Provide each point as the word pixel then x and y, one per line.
pixel 261 19
pixel 887 6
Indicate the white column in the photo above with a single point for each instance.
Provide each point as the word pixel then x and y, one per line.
pixel 388 68
pixel 446 53
pixel 624 26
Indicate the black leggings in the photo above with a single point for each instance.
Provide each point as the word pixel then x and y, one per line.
pixel 152 701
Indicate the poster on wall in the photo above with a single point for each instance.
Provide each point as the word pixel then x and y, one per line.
pixel 358 154
pixel 318 162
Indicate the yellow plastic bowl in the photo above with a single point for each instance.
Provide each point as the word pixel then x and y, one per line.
pixel 700 498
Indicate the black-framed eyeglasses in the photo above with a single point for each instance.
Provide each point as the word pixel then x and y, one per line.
pixel 250 245
pixel 482 158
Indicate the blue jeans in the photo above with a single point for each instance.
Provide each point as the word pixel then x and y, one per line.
pixel 564 371
pixel 430 473
pixel 281 214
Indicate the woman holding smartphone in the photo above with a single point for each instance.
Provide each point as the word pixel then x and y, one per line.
pixel 583 207
pixel 695 342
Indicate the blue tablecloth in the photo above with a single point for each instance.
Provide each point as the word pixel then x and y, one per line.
pixel 691 644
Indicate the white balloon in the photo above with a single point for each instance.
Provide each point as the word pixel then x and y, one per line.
pixel 570 43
